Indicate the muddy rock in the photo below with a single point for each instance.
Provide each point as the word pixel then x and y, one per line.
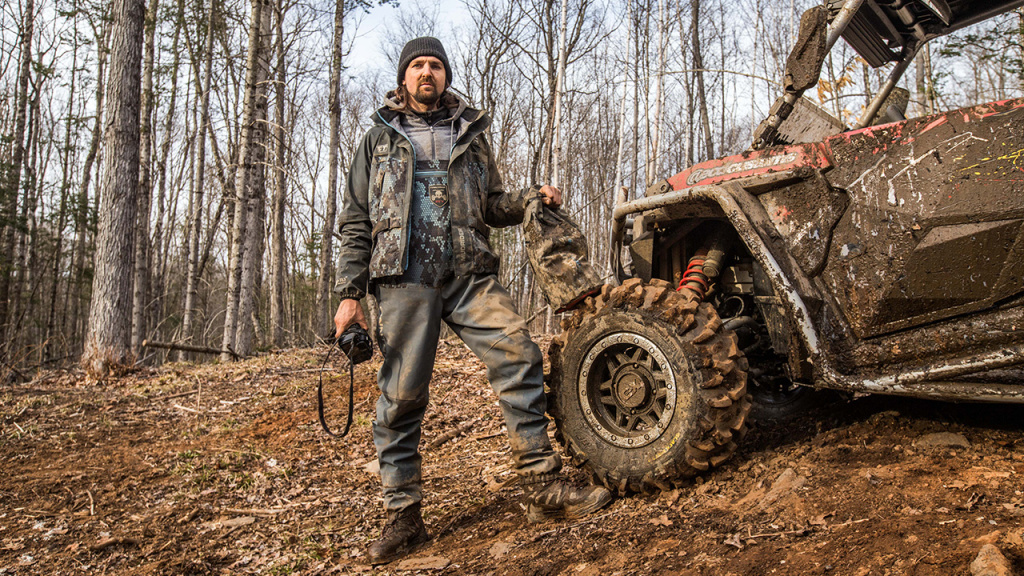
pixel 500 549
pixel 787 483
pixel 942 440
pixel 990 562
pixel 372 467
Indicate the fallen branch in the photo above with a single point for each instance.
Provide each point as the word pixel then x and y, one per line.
pixel 37 513
pixel 307 370
pixel 256 511
pixel 108 542
pixel 188 348
pixel 488 436
pixel 848 522
pixel 178 395
pixel 186 409
pixel 451 434
pixel 801 532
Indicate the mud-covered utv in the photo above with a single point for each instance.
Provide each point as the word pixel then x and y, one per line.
pixel 887 258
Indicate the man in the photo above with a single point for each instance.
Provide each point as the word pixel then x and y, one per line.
pixel 421 195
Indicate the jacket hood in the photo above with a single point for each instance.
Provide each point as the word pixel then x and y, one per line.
pixel 456 106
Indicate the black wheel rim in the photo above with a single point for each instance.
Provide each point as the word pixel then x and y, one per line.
pixel 627 390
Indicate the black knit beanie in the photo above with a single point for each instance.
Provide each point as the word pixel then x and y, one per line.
pixel 425 46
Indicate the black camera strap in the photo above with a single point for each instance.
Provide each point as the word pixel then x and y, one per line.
pixel 320 394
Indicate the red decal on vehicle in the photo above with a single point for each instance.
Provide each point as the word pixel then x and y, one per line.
pixel 753 163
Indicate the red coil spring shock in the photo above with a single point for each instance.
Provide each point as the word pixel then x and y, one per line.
pixel 694 278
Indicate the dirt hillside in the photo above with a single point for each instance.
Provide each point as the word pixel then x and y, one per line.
pixel 223 469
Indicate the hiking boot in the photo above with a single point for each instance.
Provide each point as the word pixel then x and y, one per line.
pixel 549 496
pixel 403 533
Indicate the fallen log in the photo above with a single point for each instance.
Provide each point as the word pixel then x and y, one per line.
pixel 187 348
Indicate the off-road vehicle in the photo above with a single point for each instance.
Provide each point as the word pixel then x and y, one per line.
pixel 887 258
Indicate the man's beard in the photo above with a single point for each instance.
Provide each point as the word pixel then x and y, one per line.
pixel 428 99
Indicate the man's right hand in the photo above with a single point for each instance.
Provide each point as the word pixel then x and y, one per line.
pixel 349 313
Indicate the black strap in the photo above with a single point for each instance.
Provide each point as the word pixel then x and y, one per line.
pixel 320 395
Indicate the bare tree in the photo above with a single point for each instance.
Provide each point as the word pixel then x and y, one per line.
pixel 556 144
pixel 698 72
pixel 659 76
pixel 277 245
pixel 250 131
pixel 141 291
pixel 925 86
pixel 196 221
pixel 256 201
pixel 322 316
pixel 12 177
pixel 107 343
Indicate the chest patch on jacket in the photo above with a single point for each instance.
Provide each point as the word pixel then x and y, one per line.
pixel 438 194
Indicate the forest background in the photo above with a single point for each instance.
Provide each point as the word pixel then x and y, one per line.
pixel 171 169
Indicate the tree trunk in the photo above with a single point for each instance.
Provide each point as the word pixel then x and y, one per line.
pixel 27 230
pixel 107 343
pixel 636 98
pixel 617 187
pixel 12 179
pixel 322 316
pixel 247 244
pixel 211 233
pixel 698 66
pixel 924 82
pixel 239 219
pixel 556 136
pixel 141 291
pixel 192 276
pixel 228 191
pixel 653 160
pixel 277 247
pixel 159 243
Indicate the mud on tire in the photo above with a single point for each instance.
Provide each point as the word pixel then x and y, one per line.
pixel 647 388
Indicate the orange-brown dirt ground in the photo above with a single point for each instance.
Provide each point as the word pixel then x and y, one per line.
pixel 223 469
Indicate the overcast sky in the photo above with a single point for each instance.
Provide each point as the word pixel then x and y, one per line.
pixel 368 45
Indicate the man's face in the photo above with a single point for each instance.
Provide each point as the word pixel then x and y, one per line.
pixel 425 81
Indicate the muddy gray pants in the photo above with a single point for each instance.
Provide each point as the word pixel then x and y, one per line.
pixel 479 310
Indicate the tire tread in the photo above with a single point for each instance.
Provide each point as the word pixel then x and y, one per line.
pixel 722 390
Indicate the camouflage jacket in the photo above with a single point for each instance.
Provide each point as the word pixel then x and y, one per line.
pixel 374 220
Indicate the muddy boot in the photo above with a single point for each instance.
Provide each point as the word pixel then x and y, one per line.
pixel 548 496
pixel 403 534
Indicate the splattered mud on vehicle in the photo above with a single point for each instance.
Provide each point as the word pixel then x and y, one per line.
pixel 937 205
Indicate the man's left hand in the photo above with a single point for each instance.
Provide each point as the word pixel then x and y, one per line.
pixel 552 196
